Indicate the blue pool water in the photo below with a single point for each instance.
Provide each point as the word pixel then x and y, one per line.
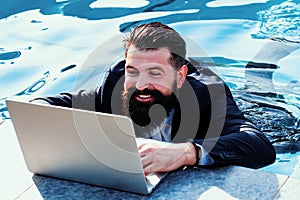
pixel 46 43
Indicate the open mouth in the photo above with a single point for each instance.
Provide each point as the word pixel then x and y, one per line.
pixel 144 98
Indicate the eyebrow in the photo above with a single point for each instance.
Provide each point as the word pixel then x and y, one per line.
pixel 148 69
pixel 130 67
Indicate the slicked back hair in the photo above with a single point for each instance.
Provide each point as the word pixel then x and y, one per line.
pixel 156 35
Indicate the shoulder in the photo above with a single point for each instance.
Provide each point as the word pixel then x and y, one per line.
pixel 201 75
pixel 111 87
pixel 205 83
pixel 113 76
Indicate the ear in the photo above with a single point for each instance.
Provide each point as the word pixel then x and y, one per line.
pixel 181 75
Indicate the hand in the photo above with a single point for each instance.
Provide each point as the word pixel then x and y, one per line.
pixel 160 156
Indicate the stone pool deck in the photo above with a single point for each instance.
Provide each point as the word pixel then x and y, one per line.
pixel 220 183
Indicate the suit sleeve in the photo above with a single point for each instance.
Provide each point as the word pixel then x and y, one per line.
pixel 240 142
pixel 84 99
pixel 99 99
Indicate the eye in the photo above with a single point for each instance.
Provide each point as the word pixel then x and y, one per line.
pixel 132 72
pixel 155 73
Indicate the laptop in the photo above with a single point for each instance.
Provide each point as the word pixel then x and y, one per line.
pixel 82 146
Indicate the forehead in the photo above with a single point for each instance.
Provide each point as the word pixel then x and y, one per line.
pixel 143 58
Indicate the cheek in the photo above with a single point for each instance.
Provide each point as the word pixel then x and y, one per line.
pixel 128 83
pixel 164 88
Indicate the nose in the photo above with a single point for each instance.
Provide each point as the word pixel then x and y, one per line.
pixel 142 83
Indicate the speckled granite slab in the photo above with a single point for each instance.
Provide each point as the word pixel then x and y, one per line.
pixel 225 183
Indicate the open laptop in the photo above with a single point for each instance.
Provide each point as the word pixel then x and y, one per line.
pixel 82 146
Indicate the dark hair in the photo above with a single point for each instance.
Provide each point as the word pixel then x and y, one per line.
pixel 156 35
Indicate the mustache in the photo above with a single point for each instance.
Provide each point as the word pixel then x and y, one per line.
pixel 134 92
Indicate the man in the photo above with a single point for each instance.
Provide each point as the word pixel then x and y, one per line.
pixel 183 113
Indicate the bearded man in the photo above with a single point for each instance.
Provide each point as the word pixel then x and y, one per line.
pixel 183 113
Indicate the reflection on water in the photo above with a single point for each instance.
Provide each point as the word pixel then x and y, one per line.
pixel 269 93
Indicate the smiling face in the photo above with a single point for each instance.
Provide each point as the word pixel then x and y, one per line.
pixel 150 69
pixel 150 79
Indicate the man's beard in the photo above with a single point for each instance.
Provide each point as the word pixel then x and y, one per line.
pixel 147 115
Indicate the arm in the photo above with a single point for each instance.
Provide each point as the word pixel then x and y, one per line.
pixel 62 99
pixel 228 137
pixel 240 143
pixel 101 99
pixel 246 147
pixel 84 99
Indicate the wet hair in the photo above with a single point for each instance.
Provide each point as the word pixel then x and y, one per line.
pixel 156 35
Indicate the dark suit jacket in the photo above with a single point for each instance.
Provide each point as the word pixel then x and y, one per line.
pixel 206 112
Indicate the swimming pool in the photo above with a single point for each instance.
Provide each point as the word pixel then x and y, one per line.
pixel 44 44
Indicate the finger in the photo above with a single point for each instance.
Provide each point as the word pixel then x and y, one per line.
pixel 148 169
pixel 140 142
pixel 146 161
pixel 146 149
pixel 149 164
pixel 151 168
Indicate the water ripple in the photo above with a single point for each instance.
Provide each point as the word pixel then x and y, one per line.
pixel 278 121
pixel 281 21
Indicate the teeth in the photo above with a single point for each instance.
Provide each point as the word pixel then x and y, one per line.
pixel 144 96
